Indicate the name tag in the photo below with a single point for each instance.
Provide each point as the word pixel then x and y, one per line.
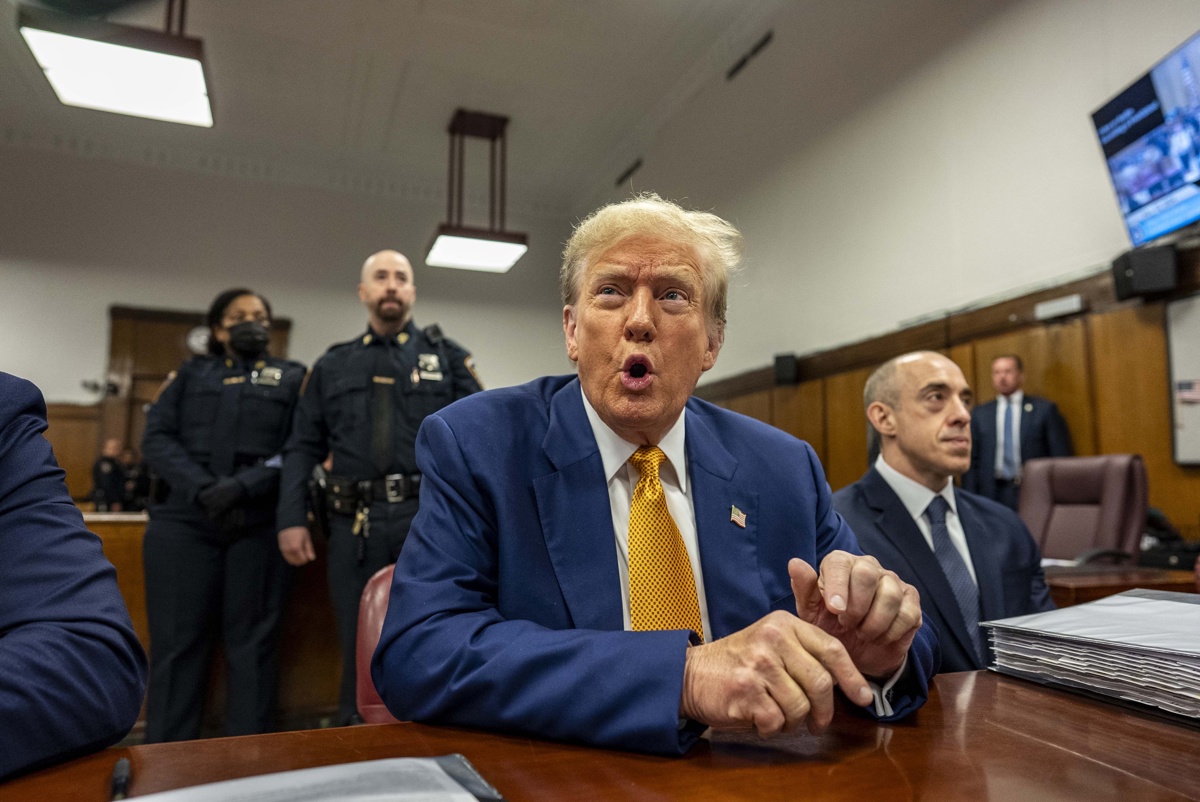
pixel 268 377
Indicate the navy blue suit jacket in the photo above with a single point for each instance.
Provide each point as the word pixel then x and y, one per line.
pixel 1043 434
pixel 71 670
pixel 1006 560
pixel 505 610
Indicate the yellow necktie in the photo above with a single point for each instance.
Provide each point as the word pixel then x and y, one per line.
pixel 662 589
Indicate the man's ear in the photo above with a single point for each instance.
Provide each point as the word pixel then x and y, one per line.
pixel 361 293
pixel 883 418
pixel 716 338
pixel 569 325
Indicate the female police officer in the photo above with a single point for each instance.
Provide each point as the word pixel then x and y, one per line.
pixel 211 560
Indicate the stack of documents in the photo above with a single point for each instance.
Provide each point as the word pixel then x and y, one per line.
pixel 1141 646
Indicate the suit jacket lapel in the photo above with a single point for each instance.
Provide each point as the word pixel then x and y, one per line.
pixel 980 543
pixel 894 521
pixel 576 516
pixel 733 584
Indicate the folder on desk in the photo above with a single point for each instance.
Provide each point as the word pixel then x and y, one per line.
pixel 450 778
pixel 1140 647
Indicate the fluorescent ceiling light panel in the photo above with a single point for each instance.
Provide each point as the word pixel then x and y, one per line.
pixel 89 70
pixel 488 251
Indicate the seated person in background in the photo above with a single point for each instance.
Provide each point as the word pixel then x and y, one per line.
pixel 971 559
pixel 71 670
pixel 604 559
pixel 108 478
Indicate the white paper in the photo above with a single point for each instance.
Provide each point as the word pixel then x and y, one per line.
pixel 1139 646
pixel 407 779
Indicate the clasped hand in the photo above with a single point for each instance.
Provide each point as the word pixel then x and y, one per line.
pixel 855 619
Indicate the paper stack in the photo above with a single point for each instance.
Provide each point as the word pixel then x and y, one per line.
pixel 1141 646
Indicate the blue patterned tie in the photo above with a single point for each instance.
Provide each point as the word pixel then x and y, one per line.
pixel 965 592
pixel 1010 445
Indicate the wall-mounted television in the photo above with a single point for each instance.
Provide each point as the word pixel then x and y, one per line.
pixel 1150 134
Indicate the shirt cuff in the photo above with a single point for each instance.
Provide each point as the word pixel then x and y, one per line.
pixel 883 704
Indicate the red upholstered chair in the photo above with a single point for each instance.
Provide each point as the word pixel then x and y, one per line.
pixel 1084 508
pixel 371 610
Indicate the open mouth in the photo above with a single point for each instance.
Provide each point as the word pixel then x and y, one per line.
pixel 637 372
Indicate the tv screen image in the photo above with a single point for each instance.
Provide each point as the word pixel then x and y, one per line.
pixel 1150 134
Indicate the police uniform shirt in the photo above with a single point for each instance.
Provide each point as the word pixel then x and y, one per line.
pixel 419 369
pixel 187 422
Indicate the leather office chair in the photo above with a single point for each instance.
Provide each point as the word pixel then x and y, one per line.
pixel 371 610
pixel 1085 508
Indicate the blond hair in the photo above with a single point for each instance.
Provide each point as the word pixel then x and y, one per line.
pixel 716 242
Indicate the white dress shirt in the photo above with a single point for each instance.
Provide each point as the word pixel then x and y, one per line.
pixel 916 497
pixel 622 477
pixel 1017 399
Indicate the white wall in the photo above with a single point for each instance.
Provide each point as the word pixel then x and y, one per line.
pixel 976 174
pixel 79 235
pixel 973 174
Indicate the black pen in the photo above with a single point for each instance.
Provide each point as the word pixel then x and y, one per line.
pixel 120 779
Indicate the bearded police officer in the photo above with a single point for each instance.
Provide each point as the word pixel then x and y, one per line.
pixel 364 402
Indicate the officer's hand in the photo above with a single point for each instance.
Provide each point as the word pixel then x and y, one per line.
pixel 217 499
pixel 296 544
pixel 773 675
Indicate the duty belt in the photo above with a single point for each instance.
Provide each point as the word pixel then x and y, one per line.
pixel 347 495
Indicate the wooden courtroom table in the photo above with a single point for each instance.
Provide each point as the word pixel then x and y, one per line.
pixel 981 736
pixel 1084 583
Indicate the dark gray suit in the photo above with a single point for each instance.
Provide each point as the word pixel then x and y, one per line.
pixel 1043 434
pixel 1006 560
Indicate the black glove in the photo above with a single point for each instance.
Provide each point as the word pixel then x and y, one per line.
pixel 219 497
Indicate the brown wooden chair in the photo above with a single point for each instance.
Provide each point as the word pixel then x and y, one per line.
pixel 1085 508
pixel 371 610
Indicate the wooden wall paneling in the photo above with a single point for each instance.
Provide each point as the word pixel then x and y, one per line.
pixel 1133 406
pixel 799 410
pixel 845 427
pixel 73 432
pixel 1056 367
pixel 963 355
pixel 874 352
pixel 749 382
pixel 756 405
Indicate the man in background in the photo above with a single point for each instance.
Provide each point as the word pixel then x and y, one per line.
pixel 362 404
pixel 970 558
pixel 1009 430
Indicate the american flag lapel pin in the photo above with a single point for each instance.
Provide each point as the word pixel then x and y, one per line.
pixel 737 516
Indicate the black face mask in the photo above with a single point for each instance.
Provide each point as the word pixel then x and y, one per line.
pixel 249 340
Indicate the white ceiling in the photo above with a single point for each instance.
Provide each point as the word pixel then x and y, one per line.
pixel 357 94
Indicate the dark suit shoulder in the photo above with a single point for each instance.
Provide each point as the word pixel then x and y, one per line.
pixel 522 399
pixel 19 397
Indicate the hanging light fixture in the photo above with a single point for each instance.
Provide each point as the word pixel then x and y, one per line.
pixel 491 249
pixel 94 64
